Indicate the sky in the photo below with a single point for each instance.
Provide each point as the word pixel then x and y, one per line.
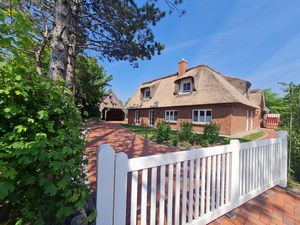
pixel 256 40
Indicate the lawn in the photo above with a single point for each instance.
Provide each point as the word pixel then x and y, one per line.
pixel 146 132
pixel 252 137
pixel 150 133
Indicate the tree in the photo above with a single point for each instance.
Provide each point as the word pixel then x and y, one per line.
pixel 118 30
pixel 273 101
pixel 91 81
pixel 41 149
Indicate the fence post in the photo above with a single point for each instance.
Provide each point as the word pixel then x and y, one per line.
pixel 235 172
pixel 283 135
pixel 105 185
pixel 121 170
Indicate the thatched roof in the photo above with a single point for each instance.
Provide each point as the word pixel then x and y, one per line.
pixel 211 87
pixel 257 96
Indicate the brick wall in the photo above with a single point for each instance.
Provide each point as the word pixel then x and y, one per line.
pixel 230 117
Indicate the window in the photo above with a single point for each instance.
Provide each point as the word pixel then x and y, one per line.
pixel 146 94
pixel 137 117
pixel 186 87
pixel 171 115
pixel 202 116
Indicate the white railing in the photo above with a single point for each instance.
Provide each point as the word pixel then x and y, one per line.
pixel 187 187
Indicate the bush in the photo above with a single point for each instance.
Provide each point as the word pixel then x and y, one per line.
pixel 211 133
pixel 203 142
pixel 41 151
pixel 185 133
pixel 163 132
pixel 175 142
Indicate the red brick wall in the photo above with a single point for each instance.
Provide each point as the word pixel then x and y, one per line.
pixel 230 117
pixel 239 119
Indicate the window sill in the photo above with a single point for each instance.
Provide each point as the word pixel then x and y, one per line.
pixel 185 93
pixel 200 123
pixel 167 121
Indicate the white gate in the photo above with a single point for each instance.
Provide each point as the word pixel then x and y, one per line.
pixel 187 187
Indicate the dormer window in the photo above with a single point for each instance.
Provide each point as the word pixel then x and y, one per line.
pixel 146 93
pixel 186 87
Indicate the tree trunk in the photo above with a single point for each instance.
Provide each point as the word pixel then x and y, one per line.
pixel 70 76
pixel 59 40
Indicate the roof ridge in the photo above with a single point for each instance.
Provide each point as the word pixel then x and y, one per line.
pixel 191 68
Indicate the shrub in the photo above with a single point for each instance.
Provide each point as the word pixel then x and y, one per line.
pixel 163 132
pixel 202 141
pixel 175 141
pixel 41 151
pixel 185 133
pixel 211 133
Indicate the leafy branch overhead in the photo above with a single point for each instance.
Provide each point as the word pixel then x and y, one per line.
pixel 116 30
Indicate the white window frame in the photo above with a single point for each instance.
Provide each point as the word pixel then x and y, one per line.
pixel 182 83
pixel 169 119
pixel 188 90
pixel 205 116
pixel 137 120
pixel 144 93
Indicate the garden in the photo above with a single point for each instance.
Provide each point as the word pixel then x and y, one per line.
pixel 185 137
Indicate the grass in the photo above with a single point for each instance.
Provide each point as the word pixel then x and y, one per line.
pixel 252 137
pixel 150 133
pixel 292 183
pixel 146 132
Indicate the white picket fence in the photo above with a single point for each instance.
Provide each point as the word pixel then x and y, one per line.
pixel 187 187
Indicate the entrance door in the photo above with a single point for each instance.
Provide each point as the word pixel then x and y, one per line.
pixel 247 120
pixel 251 120
pixel 137 117
pixel 249 124
pixel 151 118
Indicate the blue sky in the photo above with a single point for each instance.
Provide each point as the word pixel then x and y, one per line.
pixel 257 40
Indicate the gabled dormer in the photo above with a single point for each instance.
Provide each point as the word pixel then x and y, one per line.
pixel 183 84
pixel 145 93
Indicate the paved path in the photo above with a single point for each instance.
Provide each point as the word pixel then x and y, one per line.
pixel 121 140
pixel 274 207
pixel 270 133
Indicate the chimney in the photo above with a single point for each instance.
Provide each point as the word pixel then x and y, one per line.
pixel 182 67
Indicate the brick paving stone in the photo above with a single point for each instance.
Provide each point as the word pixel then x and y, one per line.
pixel 288 220
pixel 277 208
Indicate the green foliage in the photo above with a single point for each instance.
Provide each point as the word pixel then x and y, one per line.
pixel 290 102
pixel 252 137
pixel 295 154
pixel 203 141
pixel 40 149
pixel 185 133
pixel 175 141
pixel 273 101
pixel 211 133
pixel 91 80
pixel 163 132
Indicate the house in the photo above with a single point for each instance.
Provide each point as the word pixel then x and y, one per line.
pixel 111 108
pixel 200 95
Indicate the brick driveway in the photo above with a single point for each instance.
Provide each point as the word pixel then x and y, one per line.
pixel 121 140
pixel 274 207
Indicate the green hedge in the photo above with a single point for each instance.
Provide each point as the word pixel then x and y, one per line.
pixel 40 149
